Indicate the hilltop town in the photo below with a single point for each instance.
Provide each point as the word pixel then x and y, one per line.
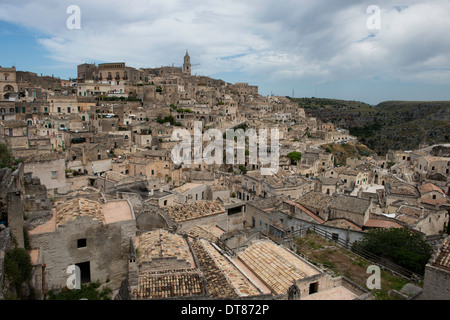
pixel 93 184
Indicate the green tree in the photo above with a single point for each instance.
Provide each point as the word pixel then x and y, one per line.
pixel 399 245
pixel 295 157
pixel 18 268
pixel 7 159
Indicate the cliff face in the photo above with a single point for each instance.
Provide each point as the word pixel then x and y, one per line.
pixel 388 125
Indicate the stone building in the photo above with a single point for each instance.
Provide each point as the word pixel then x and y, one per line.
pixel 187 216
pixel 92 235
pixel 162 265
pixel 433 195
pixel 190 192
pixel 14 133
pixel 350 208
pixel 8 83
pixel 49 168
pixel 401 191
pixel 436 285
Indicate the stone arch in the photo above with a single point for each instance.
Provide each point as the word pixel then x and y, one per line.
pixel 8 88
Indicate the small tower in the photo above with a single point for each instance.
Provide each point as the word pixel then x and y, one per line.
pixel 187 64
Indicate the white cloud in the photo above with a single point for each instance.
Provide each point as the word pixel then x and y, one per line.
pixel 277 40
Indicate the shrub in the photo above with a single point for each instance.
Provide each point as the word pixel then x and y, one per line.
pixel 400 245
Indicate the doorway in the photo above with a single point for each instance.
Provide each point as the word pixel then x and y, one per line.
pixel 85 271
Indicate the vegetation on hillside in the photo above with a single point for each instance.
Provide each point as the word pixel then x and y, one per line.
pixel 389 125
pixel 347 150
pixel 341 262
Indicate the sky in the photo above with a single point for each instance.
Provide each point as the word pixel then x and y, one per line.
pixel 370 51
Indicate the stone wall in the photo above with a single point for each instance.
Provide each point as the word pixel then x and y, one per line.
pixel 436 284
pixel 107 249
pixel 220 220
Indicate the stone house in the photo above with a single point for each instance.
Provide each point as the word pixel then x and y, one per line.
pixel 425 220
pixel 288 185
pixel 350 208
pixel 252 186
pixel 8 82
pixel 351 178
pixel 190 192
pixel 187 216
pixel 436 283
pixel 160 260
pixel 431 194
pixel 401 191
pixel 329 186
pixel 50 169
pixel 317 203
pixel 15 134
pixel 86 233
pixel 425 165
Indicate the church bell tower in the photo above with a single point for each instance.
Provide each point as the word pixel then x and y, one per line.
pixel 187 64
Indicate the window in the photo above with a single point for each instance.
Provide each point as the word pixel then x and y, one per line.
pixel 335 236
pixel 313 287
pixel 81 243
pixel 54 174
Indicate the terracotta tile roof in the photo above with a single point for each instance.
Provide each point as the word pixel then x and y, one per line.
pixel 377 223
pixel 210 233
pixel 198 209
pixel 169 284
pixel 240 283
pixel 162 244
pixel 442 259
pixel 343 224
pixel 71 209
pixel 312 215
pixel 275 266
pixel 315 200
pixel 429 187
pixel 219 286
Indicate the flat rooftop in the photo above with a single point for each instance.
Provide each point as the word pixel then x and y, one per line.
pixel 117 210
pixel 336 293
pixel 109 212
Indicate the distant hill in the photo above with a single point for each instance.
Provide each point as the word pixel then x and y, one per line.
pixel 389 125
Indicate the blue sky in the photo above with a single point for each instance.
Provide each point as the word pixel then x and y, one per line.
pixel 318 48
